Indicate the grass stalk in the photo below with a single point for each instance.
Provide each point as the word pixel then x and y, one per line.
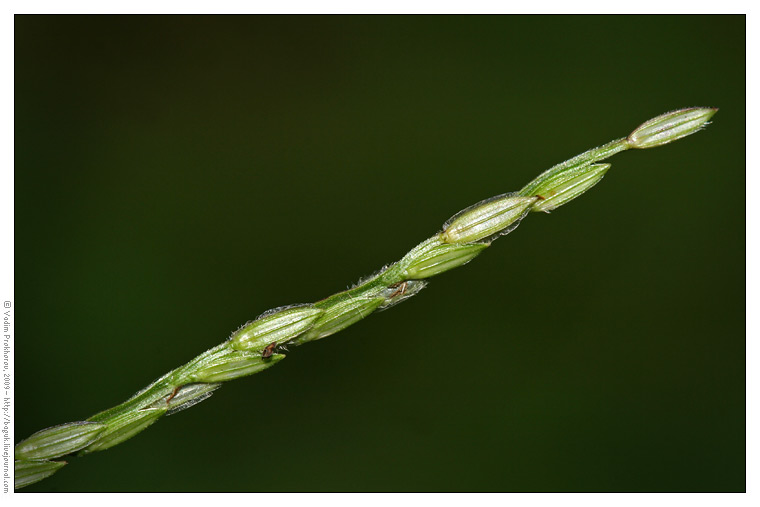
pixel 258 344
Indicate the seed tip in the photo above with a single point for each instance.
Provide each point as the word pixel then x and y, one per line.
pixel 670 127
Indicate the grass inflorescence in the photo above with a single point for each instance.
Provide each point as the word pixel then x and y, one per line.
pixel 259 344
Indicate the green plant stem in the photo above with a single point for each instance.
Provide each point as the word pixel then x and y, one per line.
pixel 258 344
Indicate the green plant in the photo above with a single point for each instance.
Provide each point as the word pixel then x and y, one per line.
pixel 258 344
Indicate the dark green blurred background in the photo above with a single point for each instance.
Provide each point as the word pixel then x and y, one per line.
pixel 176 176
